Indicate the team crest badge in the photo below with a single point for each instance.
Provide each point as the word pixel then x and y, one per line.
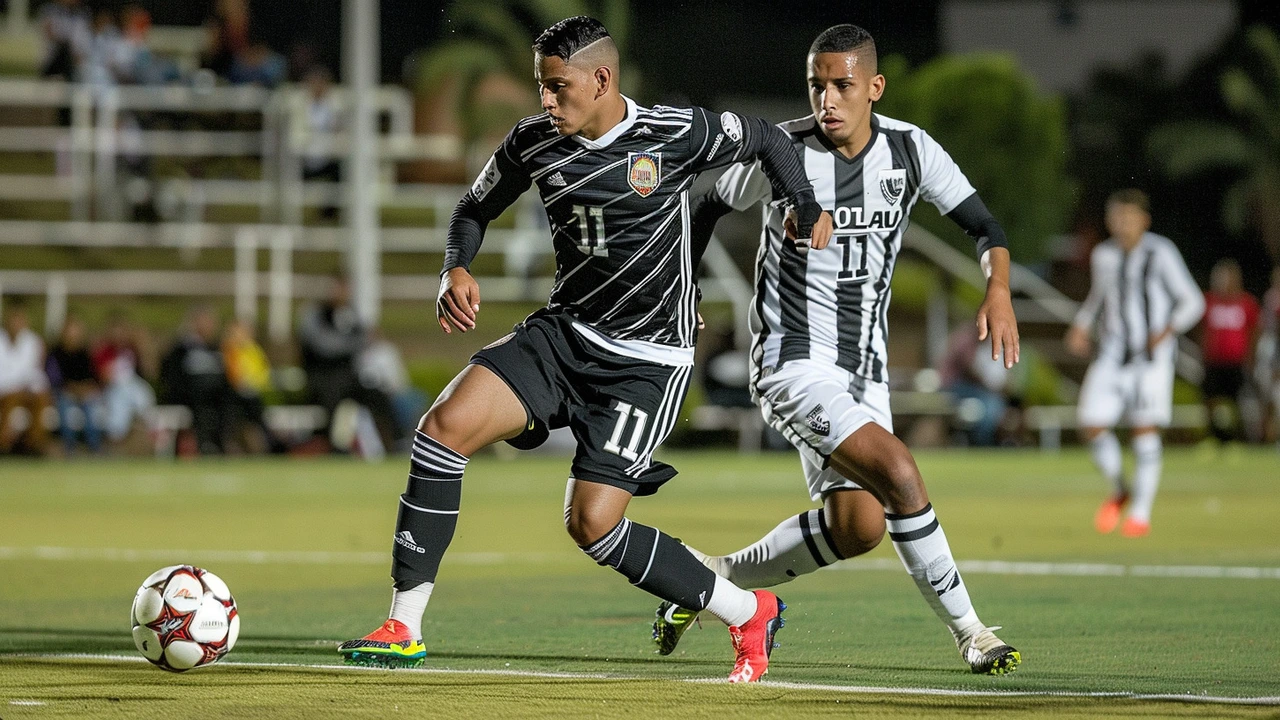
pixel 892 184
pixel 644 172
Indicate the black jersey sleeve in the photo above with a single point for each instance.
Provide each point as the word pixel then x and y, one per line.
pixel 501 182
pixel 705 211
pixel 730 138
pixel 973 217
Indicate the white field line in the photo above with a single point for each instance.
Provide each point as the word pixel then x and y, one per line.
pixel 852 689
pixel 320 557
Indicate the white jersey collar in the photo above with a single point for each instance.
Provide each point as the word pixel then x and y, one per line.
pixel 615 132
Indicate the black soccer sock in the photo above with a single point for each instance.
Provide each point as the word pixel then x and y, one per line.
pixel 428 512
pixel 656 563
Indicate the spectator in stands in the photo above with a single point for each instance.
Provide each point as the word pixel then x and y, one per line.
pixel 66 29
pixel 101 64
pixel 226 34
pixel 332 336
pixel 122 361
pixel 76 387
pixel 979 388
pixel 24 389
pixel 1230 330
pixel 323 117
pixel 249 375
pixel 192 374
pixel 381 367
pixel 258 64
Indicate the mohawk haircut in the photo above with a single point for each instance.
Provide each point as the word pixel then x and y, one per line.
pixel 567 37
pixel 1131 196
pixel 846 38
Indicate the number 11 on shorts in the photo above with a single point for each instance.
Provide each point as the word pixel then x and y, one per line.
pixel 625 413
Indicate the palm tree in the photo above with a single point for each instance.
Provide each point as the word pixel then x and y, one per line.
pixel 1248 145
pixel 482 72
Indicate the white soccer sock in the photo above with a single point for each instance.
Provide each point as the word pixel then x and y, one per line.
pixel 1105 451
pixel 798 546
pixel 1146 475
pixel 407 606
pixel 923 549
pixel 730 603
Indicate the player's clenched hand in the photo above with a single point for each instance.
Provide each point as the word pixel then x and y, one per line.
pixel 1077 341
pixel 458 302
pixel 996 318
pixel 808 221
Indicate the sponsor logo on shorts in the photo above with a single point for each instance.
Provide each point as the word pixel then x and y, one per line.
pixel 818 422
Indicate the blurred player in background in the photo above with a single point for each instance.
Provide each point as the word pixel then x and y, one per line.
pixel 1230 331
pixel 1140 298
pixel 610 356
pixel 819 357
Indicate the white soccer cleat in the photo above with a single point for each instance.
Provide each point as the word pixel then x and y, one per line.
pixel 986 653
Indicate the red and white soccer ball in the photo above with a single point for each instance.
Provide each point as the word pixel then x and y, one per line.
pixel 184 617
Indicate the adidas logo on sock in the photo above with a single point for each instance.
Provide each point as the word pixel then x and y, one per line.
pixel 557 180
pixel 405 538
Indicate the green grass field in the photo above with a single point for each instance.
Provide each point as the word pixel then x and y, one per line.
pixel 522 624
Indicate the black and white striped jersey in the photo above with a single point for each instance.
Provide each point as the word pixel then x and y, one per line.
pixel 832 304
pixel 618 208
pixel 1137 294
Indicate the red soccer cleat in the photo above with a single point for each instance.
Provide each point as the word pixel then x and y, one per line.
pixel 390 646
pixel 1134 528
pixel 1108 516
pixel 753 641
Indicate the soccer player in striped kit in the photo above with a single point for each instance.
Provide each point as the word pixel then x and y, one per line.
pixel 611 354
pixel 819 320
pixel 1141 297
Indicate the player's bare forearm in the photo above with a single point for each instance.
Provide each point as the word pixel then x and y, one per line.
pixel 458 301
pixel 995 316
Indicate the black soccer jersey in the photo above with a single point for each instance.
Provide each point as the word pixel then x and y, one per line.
pixel 619 211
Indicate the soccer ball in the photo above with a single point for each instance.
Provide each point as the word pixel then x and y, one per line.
pixel 184 617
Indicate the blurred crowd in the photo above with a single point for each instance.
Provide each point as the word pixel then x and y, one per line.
pixel 96 394
pixel 109 46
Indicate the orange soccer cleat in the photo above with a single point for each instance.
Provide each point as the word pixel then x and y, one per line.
pixel 753 641
pixel 1108 516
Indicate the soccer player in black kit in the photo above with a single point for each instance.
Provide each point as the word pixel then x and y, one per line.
pixel 611 355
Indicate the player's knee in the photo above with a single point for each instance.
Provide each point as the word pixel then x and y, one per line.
pixel 447 423
pixel 857 535
pixel 586 526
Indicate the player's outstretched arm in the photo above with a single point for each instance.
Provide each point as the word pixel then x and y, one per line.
pixel 737 138
pixel 995 316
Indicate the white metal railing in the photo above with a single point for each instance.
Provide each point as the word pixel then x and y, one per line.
pixel 94 141
pixel 1042 302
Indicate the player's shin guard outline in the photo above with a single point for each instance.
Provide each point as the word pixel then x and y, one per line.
pixel 922 546
pixel 654 562
pixel 428 512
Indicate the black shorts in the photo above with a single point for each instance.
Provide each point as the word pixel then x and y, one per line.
pixel 618 408
pixel 1222 381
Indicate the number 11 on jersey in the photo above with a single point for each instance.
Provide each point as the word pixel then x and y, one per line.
pixel 592 240
pixel 847 272
pixel 625 413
